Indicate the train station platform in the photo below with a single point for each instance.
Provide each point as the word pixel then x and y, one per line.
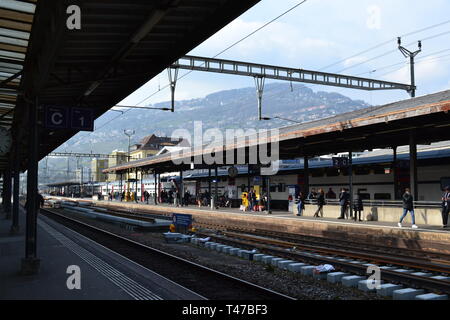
pixel 104 275
pixel 427 237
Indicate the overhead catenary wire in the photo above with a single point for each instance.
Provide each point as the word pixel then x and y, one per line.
pixel 402 63
pixel 343 60
pixel 215 56
pixel 419 62
pixel 386 43
pixel 390 52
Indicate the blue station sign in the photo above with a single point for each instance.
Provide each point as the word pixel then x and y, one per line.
pixel 69 118
pixel 182 220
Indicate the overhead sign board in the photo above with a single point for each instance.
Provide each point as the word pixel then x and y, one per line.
pixel 56 117
pixel 341 162
pixel 82 119
pixel 69 118
pixel 182 220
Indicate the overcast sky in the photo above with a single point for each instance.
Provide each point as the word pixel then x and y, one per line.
pixel 320 33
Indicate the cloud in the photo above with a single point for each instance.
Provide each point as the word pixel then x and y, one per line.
pixel 278 38
pixel 354 60
pixel 426 69
pixel 374 19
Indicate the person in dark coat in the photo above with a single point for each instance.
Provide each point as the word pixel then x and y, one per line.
pixel 40 200
pixel 331 194
pixel 300 202
pixel 254 200
pixel 408 205
pixel 344 199
pixel 320 203
pixel 146 196
pixel 445 206
pixel 358 206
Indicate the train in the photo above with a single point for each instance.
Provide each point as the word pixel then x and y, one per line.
pixel 373 178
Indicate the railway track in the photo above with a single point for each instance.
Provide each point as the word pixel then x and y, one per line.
pixel 209 283
pixel 316 250
pixel 347 261
pixel 408 258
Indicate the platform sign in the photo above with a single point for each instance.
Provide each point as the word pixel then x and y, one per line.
pixel 56 117
pixel 341 162
pixel 69 118
pixel 182 220
pixel 82 119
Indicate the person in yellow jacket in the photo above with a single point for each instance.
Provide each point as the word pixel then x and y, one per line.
pixel 245 202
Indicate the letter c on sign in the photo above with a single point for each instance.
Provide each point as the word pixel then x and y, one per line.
pixel 57 118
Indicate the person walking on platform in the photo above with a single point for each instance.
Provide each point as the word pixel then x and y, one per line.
pixel 445 206
pixel 408 205
pixel 358 206
pixel 320 203
pixel 146 196
pixel 343 202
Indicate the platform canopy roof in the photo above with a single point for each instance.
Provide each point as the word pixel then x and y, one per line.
pixel 427 118
pixel 121 45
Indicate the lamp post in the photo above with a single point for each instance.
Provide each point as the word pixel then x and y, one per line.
pixel 411 55
pixel 129 134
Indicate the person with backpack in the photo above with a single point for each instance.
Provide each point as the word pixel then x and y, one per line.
pixel 445 206
pixel 408 205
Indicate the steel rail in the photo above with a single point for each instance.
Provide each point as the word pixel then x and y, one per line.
pixel 244 290
pixel 433 285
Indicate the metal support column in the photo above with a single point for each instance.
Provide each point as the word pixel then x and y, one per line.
pixel 142 186
pixel 120 187
pixel 31 264
pixel 350 178
pixel 173 77
pixel 209 182
pixel 269 211
pixel 216 187
pixel 395 172
pixel 15 214
pixel 413 165
pixel 248 178
pixel 411 55
pixel 155 181
pixel 181 195
pixel 259 83
pixel 159 188
pixel 7 186
pixel 306 176
pixel 136 183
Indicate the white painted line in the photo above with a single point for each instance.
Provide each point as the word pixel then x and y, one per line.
pixel 128 285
